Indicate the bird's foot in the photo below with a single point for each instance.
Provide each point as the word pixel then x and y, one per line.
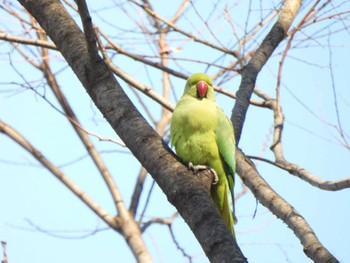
pixel 199 167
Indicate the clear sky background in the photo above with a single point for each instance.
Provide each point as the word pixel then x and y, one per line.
pixel 31 198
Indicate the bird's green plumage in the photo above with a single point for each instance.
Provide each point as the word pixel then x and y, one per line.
pixel 203 135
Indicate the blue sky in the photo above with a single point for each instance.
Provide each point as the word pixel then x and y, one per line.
pixel 31 196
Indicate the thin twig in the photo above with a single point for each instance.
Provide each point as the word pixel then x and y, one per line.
pixel 27 41
pixel 177 244
pixel 158 220
pixel 76 234
pixel 137 191
pixel 340 128
pixel 191 36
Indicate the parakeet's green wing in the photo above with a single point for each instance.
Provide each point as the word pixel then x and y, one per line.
pixel 227 146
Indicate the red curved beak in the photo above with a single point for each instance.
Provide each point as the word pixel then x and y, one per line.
pixel 202 88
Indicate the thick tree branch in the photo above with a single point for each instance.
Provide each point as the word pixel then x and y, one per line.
pixel 184 191
pixel 263 53
pixel 282 209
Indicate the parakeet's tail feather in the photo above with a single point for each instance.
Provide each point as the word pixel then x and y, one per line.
pixel 221 199
pixel 227 215
pixel 235 220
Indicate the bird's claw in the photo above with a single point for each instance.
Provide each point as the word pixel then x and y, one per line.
pixel 199 167
pixel 215 176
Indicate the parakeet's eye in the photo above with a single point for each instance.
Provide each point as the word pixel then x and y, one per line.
pixel 202 88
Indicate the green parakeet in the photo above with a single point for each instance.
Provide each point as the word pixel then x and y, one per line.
pixel 203 137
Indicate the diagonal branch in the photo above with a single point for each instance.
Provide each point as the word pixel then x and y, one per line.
pixel 137 191
pixel 282 209
pixel 89 32
pixel 307 176
pixel 27 41
pixel 95 156
pixel 263 53
pixel 140 58
pixel 14 135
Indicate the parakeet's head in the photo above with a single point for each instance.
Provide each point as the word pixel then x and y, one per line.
pixel 199 85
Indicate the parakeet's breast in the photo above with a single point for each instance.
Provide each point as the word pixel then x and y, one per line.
pixel 192 131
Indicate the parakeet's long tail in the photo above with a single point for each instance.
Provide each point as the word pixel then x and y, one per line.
pixel 221 196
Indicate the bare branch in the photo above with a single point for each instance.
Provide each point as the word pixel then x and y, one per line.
pixel 147 202
pixel 163 221
pixel 142 87
pixel 81 132
pixel 178 246
pixel 66 234
pixel 89 31
pixel 283 210
pixel 179 11
pixel 140 58
pixel 305 175
pixel 169 222
pixel 191 36
pixel 282 163
pixel 137 191
pixel 251 70
pixel 27 41
pixel 340 128
pixel 18 138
